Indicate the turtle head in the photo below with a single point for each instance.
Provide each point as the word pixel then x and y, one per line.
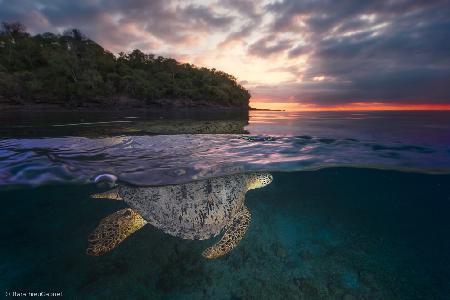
pixel 258 180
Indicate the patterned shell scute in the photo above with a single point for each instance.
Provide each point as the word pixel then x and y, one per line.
pixel 197 210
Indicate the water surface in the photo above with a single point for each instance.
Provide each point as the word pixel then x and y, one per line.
pixel 358 208
pixel 162 149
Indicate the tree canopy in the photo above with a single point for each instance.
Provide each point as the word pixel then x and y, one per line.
pixel 70 69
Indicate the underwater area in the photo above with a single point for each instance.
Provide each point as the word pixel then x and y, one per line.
pixel 358 207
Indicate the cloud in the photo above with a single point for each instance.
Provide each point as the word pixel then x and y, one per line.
pixel 120 23
pixel 331 52
pixel 269 46
pixel 251 15
pixel 298 50
pixel 237 37
pixel 387 51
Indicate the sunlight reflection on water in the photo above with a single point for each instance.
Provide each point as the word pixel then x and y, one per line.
pixel 272 141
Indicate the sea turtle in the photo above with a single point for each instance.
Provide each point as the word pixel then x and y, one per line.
pixel 198 210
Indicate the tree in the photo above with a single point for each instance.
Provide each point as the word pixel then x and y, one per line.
pixel 14 29
pixel 75 33
pixel 72 69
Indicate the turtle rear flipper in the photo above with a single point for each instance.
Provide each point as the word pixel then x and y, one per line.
pixel 112 194
pixel 233 234
pixel 112 230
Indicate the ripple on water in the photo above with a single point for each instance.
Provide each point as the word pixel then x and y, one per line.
pixel 165 159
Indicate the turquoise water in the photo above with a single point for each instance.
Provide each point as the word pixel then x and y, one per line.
pixel 358 208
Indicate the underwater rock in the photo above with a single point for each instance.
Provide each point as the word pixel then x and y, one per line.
pixel 306 254
pixel 306 288
pixel 349 297
pixel 279 250
pixel 334 289
pixel 172 277
pixel 368 279
pixel 237 260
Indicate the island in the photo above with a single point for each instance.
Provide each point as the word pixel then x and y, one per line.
pixel 71 71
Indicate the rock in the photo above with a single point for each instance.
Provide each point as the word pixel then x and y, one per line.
pixel 280 252
pixel 306 254
pixel 349 297
pixel 306 288
pixel 368 279
pixel 334 289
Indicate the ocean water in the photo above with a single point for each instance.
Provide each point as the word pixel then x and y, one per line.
pixel 358 208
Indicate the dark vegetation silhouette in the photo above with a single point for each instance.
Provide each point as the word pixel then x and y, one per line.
pixel 69 69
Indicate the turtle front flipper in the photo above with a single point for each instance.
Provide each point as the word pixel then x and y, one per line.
pixel 112 194
pixel 234 232
pixel 112 230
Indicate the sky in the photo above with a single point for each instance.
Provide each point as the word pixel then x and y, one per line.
pixel 290 54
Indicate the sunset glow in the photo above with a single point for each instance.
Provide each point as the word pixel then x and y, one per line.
pixel 356 106
pixel 308 55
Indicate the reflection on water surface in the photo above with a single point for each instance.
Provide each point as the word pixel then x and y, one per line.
pixel 148 150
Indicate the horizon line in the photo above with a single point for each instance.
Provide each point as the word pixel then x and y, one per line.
pixel 354 106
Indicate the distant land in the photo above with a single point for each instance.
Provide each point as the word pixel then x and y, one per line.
pixel 69 70
pixel 265 109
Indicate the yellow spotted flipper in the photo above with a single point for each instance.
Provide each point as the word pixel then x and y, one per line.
pixel 112 230
pixel 234 232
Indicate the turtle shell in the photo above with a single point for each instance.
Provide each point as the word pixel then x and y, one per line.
pixel 197 210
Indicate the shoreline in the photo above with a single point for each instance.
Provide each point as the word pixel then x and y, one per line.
pixel 264 109
pixel 119 108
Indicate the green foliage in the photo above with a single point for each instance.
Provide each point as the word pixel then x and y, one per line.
pixel 71 69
